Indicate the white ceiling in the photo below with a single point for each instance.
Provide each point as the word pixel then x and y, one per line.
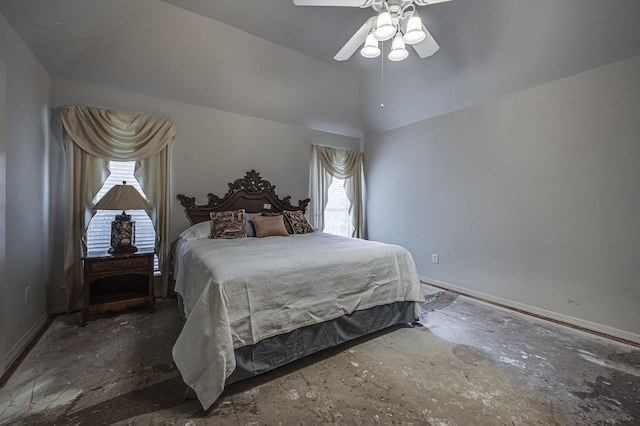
pixel 488 48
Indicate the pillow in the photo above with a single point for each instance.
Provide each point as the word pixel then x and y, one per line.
pixel 268 226
pixel 227 224
pixel 287 225
pixel 197 231
pixel 249 228
pixel 298 222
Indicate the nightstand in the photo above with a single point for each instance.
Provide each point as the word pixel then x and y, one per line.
pixel 113 282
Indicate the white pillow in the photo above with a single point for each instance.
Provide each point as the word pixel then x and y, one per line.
pixel 197 231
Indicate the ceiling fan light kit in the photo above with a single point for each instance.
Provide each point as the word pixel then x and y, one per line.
pixel 414 33
pixel 370 49
pixel 396 19
pixel 385 29
pixel 398 50
pixel 389 24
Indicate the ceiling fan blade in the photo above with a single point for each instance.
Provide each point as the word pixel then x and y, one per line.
pixel 355 41
pixel 348 3
pixel 426 2
pixel 426 47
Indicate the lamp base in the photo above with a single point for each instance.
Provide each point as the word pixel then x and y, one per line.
pixel 124 249
pixel 122 235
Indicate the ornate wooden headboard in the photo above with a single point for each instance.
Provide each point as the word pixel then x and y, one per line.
pixel 251 193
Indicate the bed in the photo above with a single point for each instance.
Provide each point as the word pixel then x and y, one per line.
pixel 252 304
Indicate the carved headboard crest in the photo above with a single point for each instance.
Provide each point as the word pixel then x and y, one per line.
pixel 251 193
pixel 252 182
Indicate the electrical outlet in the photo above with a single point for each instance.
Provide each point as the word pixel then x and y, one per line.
pixel 27 295
pixel 435 258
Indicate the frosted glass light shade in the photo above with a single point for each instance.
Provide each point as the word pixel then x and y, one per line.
pixel 414 33
pixel 398 51
pixel 370 49
pixel 384 27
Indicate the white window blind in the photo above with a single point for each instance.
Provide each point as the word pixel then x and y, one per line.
pixel 336 213
pixel 99 230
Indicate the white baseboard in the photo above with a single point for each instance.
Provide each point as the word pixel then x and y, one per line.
pixel 17 349
pixel 588 325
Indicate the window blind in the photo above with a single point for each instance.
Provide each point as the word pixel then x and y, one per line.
pixel 99 230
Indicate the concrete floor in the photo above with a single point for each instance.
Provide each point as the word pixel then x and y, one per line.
pixel 469 364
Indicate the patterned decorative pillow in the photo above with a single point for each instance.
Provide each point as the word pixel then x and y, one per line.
pixel 227 224
pixel 287 225
pixel 298 222
pixel 267 226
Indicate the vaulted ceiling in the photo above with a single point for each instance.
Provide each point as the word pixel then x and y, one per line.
pixel 488 49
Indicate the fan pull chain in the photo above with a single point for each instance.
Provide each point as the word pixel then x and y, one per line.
pixel 382 75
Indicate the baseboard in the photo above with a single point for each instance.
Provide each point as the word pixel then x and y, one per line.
pixel 20 346
pixel 543 313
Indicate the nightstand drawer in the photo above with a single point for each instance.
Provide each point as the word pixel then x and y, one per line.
pixel 115 264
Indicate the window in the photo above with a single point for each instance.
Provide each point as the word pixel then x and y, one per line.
pixel 336 213
pixel 99 230
pixel 336 207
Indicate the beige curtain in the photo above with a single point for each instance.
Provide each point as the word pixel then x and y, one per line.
pixel 92 137
pixel 327 163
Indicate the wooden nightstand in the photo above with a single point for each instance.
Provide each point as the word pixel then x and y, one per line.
pixel 113 282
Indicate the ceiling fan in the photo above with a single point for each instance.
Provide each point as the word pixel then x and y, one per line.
pixel 395 19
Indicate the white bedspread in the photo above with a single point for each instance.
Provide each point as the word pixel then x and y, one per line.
pixel 240 291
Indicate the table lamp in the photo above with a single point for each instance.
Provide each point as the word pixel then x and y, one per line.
pixel 122 197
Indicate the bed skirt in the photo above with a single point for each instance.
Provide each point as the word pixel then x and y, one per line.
pixel 282 349
pixel 279 350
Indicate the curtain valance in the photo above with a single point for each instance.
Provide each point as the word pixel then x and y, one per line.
pixel 116 135
pixel 339 163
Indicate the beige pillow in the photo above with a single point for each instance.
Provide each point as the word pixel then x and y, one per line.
pixel 268 226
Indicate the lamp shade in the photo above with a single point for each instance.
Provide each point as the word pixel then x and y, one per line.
pixel 384 27
pixel 370 49
pixel 122 197
pixel 414 33
pixel 398 50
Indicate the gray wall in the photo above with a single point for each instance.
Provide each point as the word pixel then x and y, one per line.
pixel 25 203
pixel 532 200
pixel 211 149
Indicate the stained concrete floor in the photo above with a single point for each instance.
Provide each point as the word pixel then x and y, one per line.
pixel 469 364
